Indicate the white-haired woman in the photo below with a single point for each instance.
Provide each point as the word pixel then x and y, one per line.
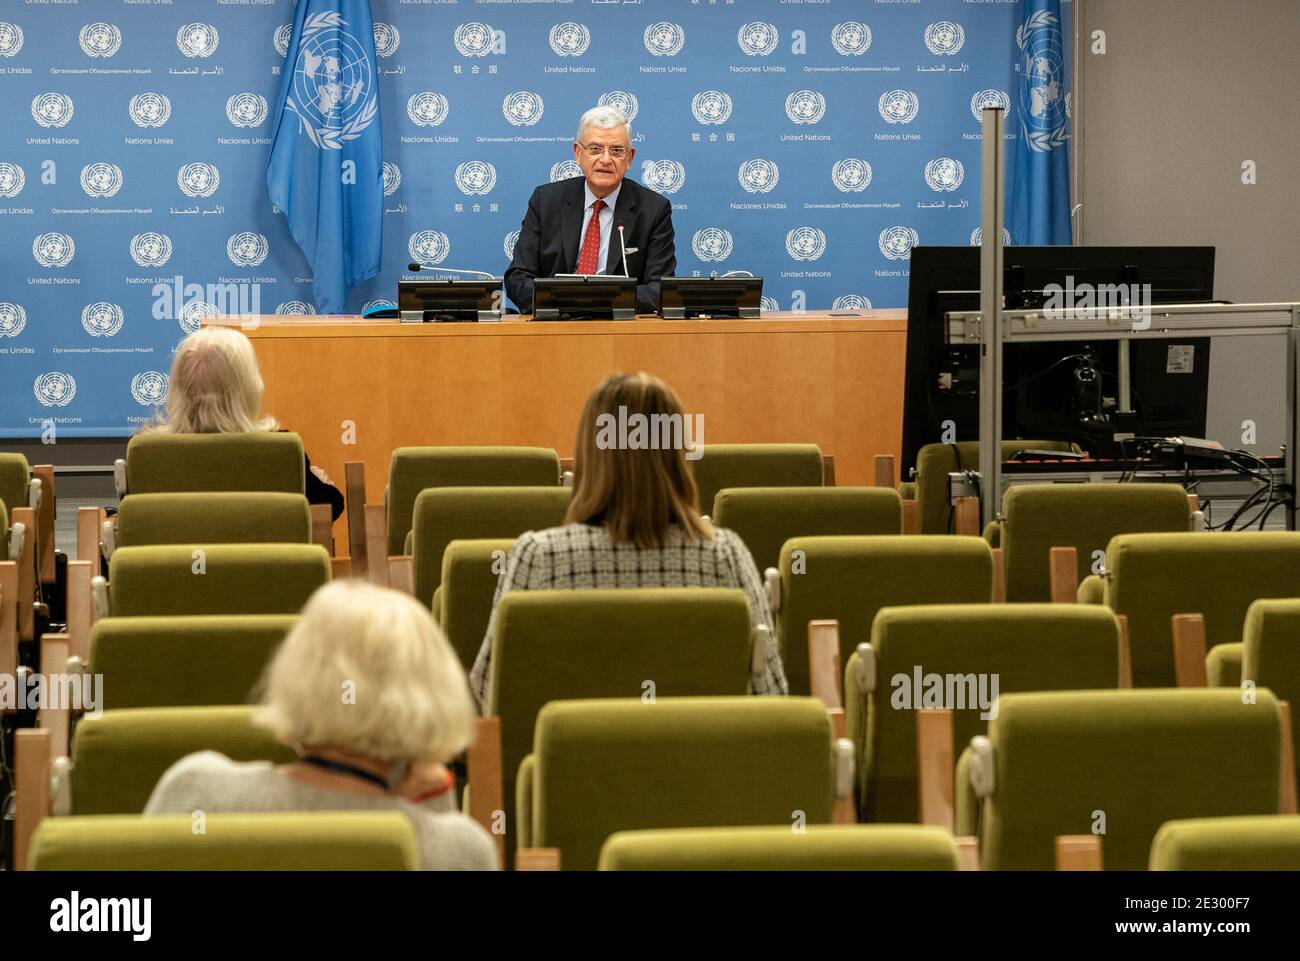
pixel 370 695
pixel 216 388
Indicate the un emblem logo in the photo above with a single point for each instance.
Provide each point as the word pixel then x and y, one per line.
pixel 151 249
pixel 476 177
pixel 101 179
pixel 100 39
pixel 54 249
pixel 988 98
pixel 508 244
pixel 664 39
pixel 427 109
pixel 759 176
pixel 198 40
pixel 149 109
pixel 1044 121
pixel 101 319
pixel 898 106
pixel 944 37
pixel 378 305
pixel 149 388
pixel 11 39
pixel 896 243
pixel 282 37
pixel 192 314
pixel 523 108
pixel 292 307
pixel 333 89
pixel 52 109
pixel 851 38
pixel 246 109
pixel 851 302
pixel 473 39
pixel 805 243
pixel 387 40
pixel 851 175
pixel 392 178
pixel 55 389
pixel 768 304
pixel 428 247
pixel 565 170
pixel 805 106
pixel 570 39
pixel 620 100
pixel 665 176
pixel 13 318
pixel 198 179
pixel 977 237
pixel 758 39
pixel 711 107
pixel 712 244
pixel 12 180
pixel 944 173
pixel 247 249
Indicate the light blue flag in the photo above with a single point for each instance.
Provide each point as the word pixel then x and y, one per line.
pixel 1040 179
pixel 326 167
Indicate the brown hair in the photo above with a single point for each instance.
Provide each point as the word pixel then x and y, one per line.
pixel 635 493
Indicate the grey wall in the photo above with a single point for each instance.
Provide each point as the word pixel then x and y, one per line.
pixel 1186 92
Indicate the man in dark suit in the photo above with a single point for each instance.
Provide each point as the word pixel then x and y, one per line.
pixel 572 227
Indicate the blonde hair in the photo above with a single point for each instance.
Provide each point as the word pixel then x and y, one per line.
pixel 215 386
pixel 636 494
pixel 365 670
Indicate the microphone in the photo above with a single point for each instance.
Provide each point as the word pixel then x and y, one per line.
pixel 453 270
pixel 624 247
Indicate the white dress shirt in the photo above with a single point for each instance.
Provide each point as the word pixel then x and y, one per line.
pixel 606 223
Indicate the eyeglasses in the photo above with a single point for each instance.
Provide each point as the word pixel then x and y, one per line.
pixel 595 150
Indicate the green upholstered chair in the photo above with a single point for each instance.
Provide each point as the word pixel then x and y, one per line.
pixel 1026 647
pixel 934 462
pixel 445 514
pixel 721 466
pixel 223 579
pixel 600 767
pixel 822 847
pixel 412 469
pixel 183 661
pixel 1268 655
pixel 767 517
pixel 15 478
pixel 158 463
pixel 299 841
pixel 462 603
pixel 1264 843
pixel 118 757
pixel 1151 577
pixel 565 645
pixel 213 518
pixel 848 579
pixel 1068 763
pixel 1039 517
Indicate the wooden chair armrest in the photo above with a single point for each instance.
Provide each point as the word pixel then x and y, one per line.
pixel 911 517
pixel 1063 573
pixel 537 859
pixel 824 673
pixel 31 788
pixel 354 496
pixel 966 516
pixel 486 788
pixel 885 470
pixel 79 608
pixel 340 568
pixel 1287 799
pixel 401 574
pixel 56 720
pixel 828 470
pixel 45 522
pixel 999 576
pixel 89 520
pixel 8 618
pixel 377 544
pixel 1125 653
pixel 1189 650
pixel 934 767
pixel 968 853
pixel 1078 852
pixel 322 527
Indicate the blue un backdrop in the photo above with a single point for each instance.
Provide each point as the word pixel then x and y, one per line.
pixel 811 143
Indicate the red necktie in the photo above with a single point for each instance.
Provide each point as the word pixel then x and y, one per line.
pixel 591 241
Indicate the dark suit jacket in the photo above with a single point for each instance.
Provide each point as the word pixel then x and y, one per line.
pixel 549 240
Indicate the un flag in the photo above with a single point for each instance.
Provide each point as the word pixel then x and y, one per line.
pixel 326 167
pixel 1040 186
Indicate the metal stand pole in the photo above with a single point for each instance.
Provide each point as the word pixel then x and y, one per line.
pixel 992 197
pixel 1292 452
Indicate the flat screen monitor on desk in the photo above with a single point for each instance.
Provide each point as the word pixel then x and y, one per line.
pixel 584 297
pixel 449 300
pixel 1051 389
pixel 688 298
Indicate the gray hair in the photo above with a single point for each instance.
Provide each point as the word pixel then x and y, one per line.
pixel 604 118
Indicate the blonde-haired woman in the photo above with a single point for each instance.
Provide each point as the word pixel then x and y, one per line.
pixel 216 388
pixel 372 697
pixel 633 522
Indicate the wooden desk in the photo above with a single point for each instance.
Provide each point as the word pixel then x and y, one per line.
pixel 836 381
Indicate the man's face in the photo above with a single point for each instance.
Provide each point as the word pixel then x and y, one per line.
pixel 603 171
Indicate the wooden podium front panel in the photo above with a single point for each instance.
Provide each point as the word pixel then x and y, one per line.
pixel 831 380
